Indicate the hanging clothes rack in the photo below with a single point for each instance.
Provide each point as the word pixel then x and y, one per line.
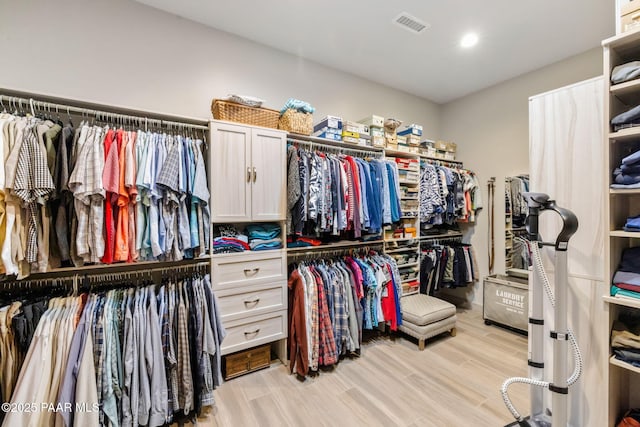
pixel 453 164
pixel 32 102
pixel 335 147
pixel 441 240
pixel 334 252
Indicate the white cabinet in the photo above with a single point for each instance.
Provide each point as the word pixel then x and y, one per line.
pixel 248 169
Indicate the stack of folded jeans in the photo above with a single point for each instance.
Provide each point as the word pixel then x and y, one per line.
pixel 229 239
pixel 264 236
pixel 628 174
pixel 625 339
pixel 632 224
pixel 627 119
pixel 626 281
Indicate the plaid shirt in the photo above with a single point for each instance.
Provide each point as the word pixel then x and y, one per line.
pixel 32 182
pixel 327 353
pixel 185 385
pixel 98 349
pixel 340 306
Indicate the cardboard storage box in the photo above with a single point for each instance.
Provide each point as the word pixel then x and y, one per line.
pixel 373 121
pixel 630 15
pixel 506 301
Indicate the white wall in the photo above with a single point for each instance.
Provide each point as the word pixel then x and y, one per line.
pixel 491 128
pixel 124 53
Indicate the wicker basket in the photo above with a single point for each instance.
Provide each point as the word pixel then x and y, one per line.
pixel 233 112
pixel 296 122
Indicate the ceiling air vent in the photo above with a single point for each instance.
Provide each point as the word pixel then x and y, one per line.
pixel 411 23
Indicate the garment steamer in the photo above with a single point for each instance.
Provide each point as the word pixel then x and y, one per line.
pixel 562 336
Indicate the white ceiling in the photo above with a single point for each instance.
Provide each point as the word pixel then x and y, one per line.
pixel 358 36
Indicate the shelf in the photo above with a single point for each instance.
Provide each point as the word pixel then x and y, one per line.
pixel 620 41
pixel 627 88
pixel 401 239
pixel 397 153
pixel 116 267
pixel 400 181
pixel 441 236
pixel 409 217
pixel 614 191
pixel 626 134
pixel 622 233
pixel 409 280
pixel 399 250
pixel 623 365
pixel 413 264
pixel 456 162
pixel 332 143
pixel 409 198
pixel 627 302
pixel 334 246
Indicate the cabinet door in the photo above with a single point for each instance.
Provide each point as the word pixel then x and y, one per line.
pixel 230 173
pixel 268 200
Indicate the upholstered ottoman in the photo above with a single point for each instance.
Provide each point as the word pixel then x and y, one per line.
pixel 424 317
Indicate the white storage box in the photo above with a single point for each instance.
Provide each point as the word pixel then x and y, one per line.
pixel 506 301
pixel 373 121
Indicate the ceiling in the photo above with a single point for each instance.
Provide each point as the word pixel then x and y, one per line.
pixel 359 36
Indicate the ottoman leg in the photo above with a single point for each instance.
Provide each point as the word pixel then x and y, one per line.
pixel 421 344
pixel 453 332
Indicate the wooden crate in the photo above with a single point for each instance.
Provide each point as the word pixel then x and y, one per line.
pixel 246 361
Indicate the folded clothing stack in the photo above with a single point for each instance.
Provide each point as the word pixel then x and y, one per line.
pixel 626 281
pixel 628 174
pixel 229 239
pixel 625 339
pixel 302 242
pixel 632 224
pixel 264 236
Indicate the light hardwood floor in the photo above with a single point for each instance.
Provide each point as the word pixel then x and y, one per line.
pixel 455 381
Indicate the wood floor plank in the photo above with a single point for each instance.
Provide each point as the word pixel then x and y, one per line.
pixel 455 381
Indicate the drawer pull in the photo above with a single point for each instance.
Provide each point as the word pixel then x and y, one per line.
pixel 256 332
pixel 252 302
pixel 251 272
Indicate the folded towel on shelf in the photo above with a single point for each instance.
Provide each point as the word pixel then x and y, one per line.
pixel 296 104
pixel 249 101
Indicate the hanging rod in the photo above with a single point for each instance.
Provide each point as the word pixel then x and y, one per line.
pixel 336 250
pixel 324 144
pixel 32 101
pixel 441 162
pixel 117 268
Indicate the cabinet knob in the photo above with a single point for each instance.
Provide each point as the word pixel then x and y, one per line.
pixel 251 272
pixel 252 302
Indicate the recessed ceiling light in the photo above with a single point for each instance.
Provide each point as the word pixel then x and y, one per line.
pixel 469 40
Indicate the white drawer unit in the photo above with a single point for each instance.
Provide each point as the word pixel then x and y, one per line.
pixel 251 288
pixel 254 330
pixel 233 270
pixel 252 300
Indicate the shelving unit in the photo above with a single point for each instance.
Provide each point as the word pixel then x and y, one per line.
pixel 621 203
pixel 406 250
